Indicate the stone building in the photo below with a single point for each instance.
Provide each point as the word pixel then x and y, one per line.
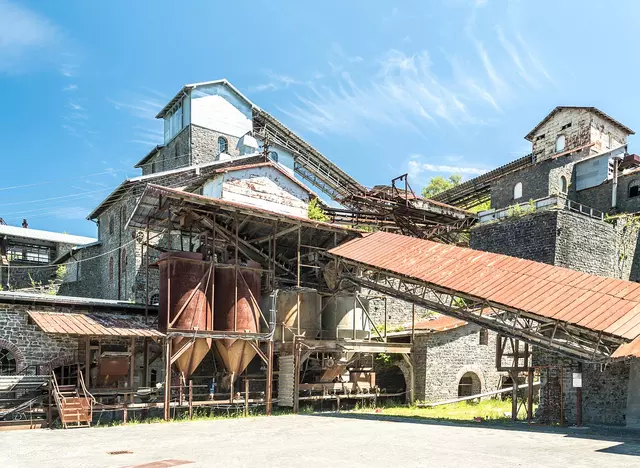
pixel 27 255
pixel 451 358
pixel 209 128
pixel 572 202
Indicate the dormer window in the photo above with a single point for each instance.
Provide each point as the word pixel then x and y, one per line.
pixel 517 191
pixel 560 143
pixel 223 145
pixel 173 122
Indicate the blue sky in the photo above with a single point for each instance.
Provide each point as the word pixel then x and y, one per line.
pixel 421 87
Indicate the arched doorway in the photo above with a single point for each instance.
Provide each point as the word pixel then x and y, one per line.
pixel 391 380
pixel 469 384
pixel 8 362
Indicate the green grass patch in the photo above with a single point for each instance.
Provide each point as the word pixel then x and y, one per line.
pixel 487 410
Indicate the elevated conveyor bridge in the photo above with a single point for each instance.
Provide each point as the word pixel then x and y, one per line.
pixel 582 316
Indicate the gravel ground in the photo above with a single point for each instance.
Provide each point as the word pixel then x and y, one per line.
pixel 318 441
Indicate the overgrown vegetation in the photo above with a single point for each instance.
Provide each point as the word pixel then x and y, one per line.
pixel 316 212
pixel 518 209
pixel 627 227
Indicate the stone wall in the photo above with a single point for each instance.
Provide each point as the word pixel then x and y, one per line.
pixel 531 236
pixel 173 155
pixel 563 238
pixel 538 181
pixel 399 312
pixel 29 344
pixel 441 359
pixel 204 145
pixel 604 391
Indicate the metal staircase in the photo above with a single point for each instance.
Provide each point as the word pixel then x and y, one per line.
pixel 74 407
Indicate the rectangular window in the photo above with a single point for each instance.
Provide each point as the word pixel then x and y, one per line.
pixel 484 336
pixel 173 122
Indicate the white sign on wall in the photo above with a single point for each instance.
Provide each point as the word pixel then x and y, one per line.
pixel 577 380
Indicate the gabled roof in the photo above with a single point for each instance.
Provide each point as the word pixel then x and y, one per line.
pixel 129 184
pixel 47 236
pixel 149 155
pixel 594 110
pixel 271 164
pixel 189 87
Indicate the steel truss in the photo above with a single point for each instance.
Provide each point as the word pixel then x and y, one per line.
pixel 557 336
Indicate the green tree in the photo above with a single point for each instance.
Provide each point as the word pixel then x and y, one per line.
pixel 316 212
pixel 439 184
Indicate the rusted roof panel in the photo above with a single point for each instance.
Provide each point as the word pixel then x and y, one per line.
pixel 631 349
pixel 589 301
pixel 93 324
pixel 440 324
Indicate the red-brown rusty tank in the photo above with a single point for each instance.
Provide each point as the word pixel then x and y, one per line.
pixel 236 354
pixel 186 282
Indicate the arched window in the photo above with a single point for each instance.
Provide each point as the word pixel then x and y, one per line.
pixel 111 269
pixel 223 145
pixel 273 155
pixel 123 260
pixel 155 299
pixel 560 141
pixel 633 189
pixel 7 362
pixel 564 186
pixel 517 191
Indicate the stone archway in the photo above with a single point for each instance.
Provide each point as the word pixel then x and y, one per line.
pixel 470 381
pixel 14 352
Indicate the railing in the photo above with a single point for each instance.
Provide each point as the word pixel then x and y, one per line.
pixel 547 203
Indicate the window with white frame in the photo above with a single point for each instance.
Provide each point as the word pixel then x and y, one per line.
pixel 173 122
pixel 560 143
pixel 517 191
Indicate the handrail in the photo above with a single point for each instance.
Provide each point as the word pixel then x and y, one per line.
pixel 84 388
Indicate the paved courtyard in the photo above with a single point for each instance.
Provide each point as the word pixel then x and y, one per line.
pixel 317 441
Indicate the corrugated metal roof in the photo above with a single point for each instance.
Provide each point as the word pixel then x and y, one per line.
pixel 48 236
pixel 609 305
pixel 628 350
pixel 93 324
pixel 440 324
pixel 66 301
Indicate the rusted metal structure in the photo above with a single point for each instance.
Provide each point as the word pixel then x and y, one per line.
pixel 254 255
pixel 548 306
pixel 186 282
pixel 397 208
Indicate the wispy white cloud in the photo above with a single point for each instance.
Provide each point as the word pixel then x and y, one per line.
pixel 25 36
pixel 75 106
pixel 416 168
pixel 404 92
pixel 535 61
pixel 275 82
pixel 141 105
pixel 147 136
pixel 511 49
pixel 71 87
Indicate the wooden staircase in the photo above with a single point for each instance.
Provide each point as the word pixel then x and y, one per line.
pixel 75 409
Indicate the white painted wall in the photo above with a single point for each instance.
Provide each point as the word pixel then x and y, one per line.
pixel 213 187
pixel 285 158
pixel 263 187
pixel 216 107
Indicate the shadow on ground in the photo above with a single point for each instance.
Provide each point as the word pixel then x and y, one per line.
pixel 628 439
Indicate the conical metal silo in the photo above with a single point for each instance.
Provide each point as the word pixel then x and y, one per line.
pixel 241 316
pixel 186 282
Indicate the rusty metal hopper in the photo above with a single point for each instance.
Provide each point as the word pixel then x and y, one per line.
pixel 243 317
pixel 186 282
